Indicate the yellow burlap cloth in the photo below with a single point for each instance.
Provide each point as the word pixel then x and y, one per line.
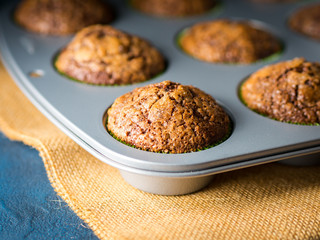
pixel 267 202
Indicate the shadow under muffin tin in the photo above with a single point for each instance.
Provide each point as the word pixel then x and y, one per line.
pixel 79 109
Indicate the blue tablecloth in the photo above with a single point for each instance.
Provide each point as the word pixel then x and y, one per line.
pixel 29 207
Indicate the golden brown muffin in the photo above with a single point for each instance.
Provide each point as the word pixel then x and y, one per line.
pixel 168 117
pixel 307 21
pixel 61 17
pixel 287 91
pixel 173 8
pixel 101 54
pixel 228 41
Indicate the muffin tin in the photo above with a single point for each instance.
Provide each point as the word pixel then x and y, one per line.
pixel 79 109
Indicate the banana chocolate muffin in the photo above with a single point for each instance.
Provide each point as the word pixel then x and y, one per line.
pixel 168 117
pixel 61 17
pixel 287 91
pixel 228 41
pixel 101 54
pixel 173 8
pixel 307 21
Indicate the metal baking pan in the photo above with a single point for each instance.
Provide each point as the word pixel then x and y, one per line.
pixel 78 109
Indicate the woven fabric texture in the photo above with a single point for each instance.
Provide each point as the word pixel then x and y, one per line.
pixel 272 201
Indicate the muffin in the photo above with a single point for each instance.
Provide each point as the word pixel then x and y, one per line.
pixel 61 17
pixel 287 91
pixel 228 41
pixel 173 8
pixel 168 117
pixel 307 21
pixel 101 54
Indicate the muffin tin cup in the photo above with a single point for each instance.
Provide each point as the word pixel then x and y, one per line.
pixel 166 185
pixel 79 109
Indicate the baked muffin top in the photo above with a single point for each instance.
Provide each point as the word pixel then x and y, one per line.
pixel 287 91
pixel 61 17
pixel 307 21
pixel 173 8
pixel 228 41
pixel 101 54
pixel 168 117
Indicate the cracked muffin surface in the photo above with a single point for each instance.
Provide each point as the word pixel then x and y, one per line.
pixel 168 117
pixel 101 54
pixel 287 91
pixel 228 41
pixel 61 17
pixel 173 8
pixel 307 21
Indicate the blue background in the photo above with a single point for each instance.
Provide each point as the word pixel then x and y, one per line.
pixel 29 207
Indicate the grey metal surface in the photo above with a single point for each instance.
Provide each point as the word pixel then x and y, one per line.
pixel 166 185
pixel 78 108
